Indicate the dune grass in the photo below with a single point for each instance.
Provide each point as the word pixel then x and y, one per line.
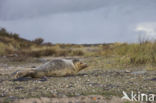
pixel 140 53
pixel 135 53
pixel 11 43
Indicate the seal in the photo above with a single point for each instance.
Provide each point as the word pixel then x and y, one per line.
pixel 56 67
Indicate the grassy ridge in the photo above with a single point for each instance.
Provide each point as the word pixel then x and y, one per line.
pixel 134 53
pixel 13 44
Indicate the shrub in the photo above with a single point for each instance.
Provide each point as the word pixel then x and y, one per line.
pixel 38 41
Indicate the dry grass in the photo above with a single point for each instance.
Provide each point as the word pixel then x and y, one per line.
pixel 129 54
pixel 13 44
pixel 133 53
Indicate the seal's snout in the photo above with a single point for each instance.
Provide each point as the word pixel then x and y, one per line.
pixel 83 65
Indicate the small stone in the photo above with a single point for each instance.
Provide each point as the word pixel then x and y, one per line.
pixel 19 87
pixel 153 79
pixel 43 79
pixel 33 66
pixel 127 71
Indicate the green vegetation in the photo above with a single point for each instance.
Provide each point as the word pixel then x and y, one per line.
pixel 143 53
pixel 129 54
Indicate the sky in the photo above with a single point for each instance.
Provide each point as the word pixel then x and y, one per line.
pixel 80 21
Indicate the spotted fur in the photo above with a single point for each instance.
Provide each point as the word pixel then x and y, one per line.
pixel 56 67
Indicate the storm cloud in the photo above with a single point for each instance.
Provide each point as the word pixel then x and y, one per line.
pixel 79 21
pixel 16 9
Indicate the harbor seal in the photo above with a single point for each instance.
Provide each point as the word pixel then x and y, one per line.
pixel 56 67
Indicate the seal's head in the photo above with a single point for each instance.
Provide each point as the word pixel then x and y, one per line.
pixel 79 64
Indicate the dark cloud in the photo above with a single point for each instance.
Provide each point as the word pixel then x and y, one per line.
pixel 15 9
pixel 79 21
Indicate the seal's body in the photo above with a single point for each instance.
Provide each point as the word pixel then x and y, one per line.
pixel 56 67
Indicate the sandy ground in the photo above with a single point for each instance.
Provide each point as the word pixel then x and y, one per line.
pixel 93 85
